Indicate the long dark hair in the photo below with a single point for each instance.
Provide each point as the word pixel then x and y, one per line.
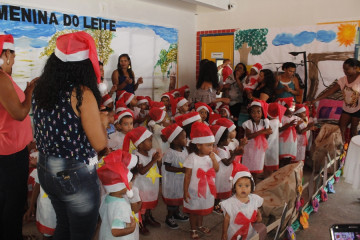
pixel 245 70
pixel 269 78
pixel 352 62
pixel 129 70
pixel 208 73
pixel 59 77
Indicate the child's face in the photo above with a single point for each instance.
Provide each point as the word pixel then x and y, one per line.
pixel 253 72
pixel 256 113
pixel 186 94
pixel 203 114
pixel 243 187
pixel 184 108
pixel 166 101
pixel 180 139
pixel 110 105
pixel 142 106
pixel 205 148
pixel 232 134
pixel 223 113
pixel 146 145
pixel 126 124
pixel 111 117
pixel 290 71
pixel 133 102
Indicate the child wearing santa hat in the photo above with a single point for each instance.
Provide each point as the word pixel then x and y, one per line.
pixel 182 106
pixel 287 137
pixel 108 102
pixel 156 124
pixel 168 99
pixel 234 143
pixel 130 101
pixel 173 173
pixel 199 185
pixel 275 114
pixel 115 174
pixel 148 179
pixel 303 131
pixel 204 110
pixel 257 128
pixel 251 81
pixel 186 121
pixel 143 105
pixel 123 124
pixel 242 208
pixel 222 183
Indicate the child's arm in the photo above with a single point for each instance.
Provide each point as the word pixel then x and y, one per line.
pixel 144 169
pixel 170 168
pixel 130 228
pixel 250 135
pixel 286 126
pixel 226 224
pixel 188 172
pixel 214 161
pixel 307 128
pixel 136 206
pixel 31 211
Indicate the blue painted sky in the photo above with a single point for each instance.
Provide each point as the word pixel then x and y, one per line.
pixel 303 37
pixel 43 31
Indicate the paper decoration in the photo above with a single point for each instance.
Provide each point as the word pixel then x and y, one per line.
pixel 153 174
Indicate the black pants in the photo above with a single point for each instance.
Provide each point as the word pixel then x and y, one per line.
pixel 14 170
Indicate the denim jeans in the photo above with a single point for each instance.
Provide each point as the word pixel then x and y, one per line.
pixel 73 188
pixel 14 171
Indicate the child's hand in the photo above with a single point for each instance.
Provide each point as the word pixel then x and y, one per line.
pixel 157 156
pixel 132 224
pixel 224 236
pixel 29 215
pixel 258 217
pixel 243 142
pixel 140 81
pixel 186 197
pixel 212 155
pixel 268 131
pixel 293 122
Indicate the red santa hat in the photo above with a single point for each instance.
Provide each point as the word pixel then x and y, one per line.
pixel 184 89
pixel 115 174
pixel 299 108
pixel 6 42
pixel 288 101
pixel 106 99
pixel 174 92
pixel 120 93
pixel 120 106
pixel 76 47
pixel 157 115
pixel 239 171
pixel 171 132
pixel 127 97
pixel 180 101
pixel 167 95
pixel 218 131
pixel 201 105
pixel 276 110
pixel 226 123
pixel 213 118
pixel 122 114
pixel 141 100
pixel 262 104
pixel 137 136
pixel 226 108
pixel 201 133
pixel 257 67
pixel 187 118
pixel 154 104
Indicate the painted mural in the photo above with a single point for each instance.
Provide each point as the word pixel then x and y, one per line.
pixel 325 46
pixel 152 49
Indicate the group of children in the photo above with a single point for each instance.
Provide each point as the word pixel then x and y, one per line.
pixel 195 151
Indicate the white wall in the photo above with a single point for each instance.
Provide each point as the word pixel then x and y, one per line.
pixel 277 13
pixel 169 14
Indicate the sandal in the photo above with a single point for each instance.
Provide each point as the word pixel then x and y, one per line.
pixel 194 234
pixel 218 210
pixel 204 229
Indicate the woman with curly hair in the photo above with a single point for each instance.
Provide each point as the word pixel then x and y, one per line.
pixel 70 133
pixel 266 87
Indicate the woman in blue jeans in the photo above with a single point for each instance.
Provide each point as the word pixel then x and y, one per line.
pixel 70 132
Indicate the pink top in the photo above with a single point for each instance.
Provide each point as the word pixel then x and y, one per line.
pixel 351 93
pixel 14 135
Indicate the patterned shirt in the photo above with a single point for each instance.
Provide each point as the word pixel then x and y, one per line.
pixel 59 132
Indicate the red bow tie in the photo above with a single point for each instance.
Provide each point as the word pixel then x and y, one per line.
pixel 286 133
pixel 241 219
pixel 206 178
pixel 261 142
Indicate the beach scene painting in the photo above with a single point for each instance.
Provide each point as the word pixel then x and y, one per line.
pixel 153 49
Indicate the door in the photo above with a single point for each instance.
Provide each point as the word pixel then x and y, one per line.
pixel 217 47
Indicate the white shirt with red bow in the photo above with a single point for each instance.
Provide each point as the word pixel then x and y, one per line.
pixel 241 216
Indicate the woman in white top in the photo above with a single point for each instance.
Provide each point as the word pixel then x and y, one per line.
pixel 350 87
